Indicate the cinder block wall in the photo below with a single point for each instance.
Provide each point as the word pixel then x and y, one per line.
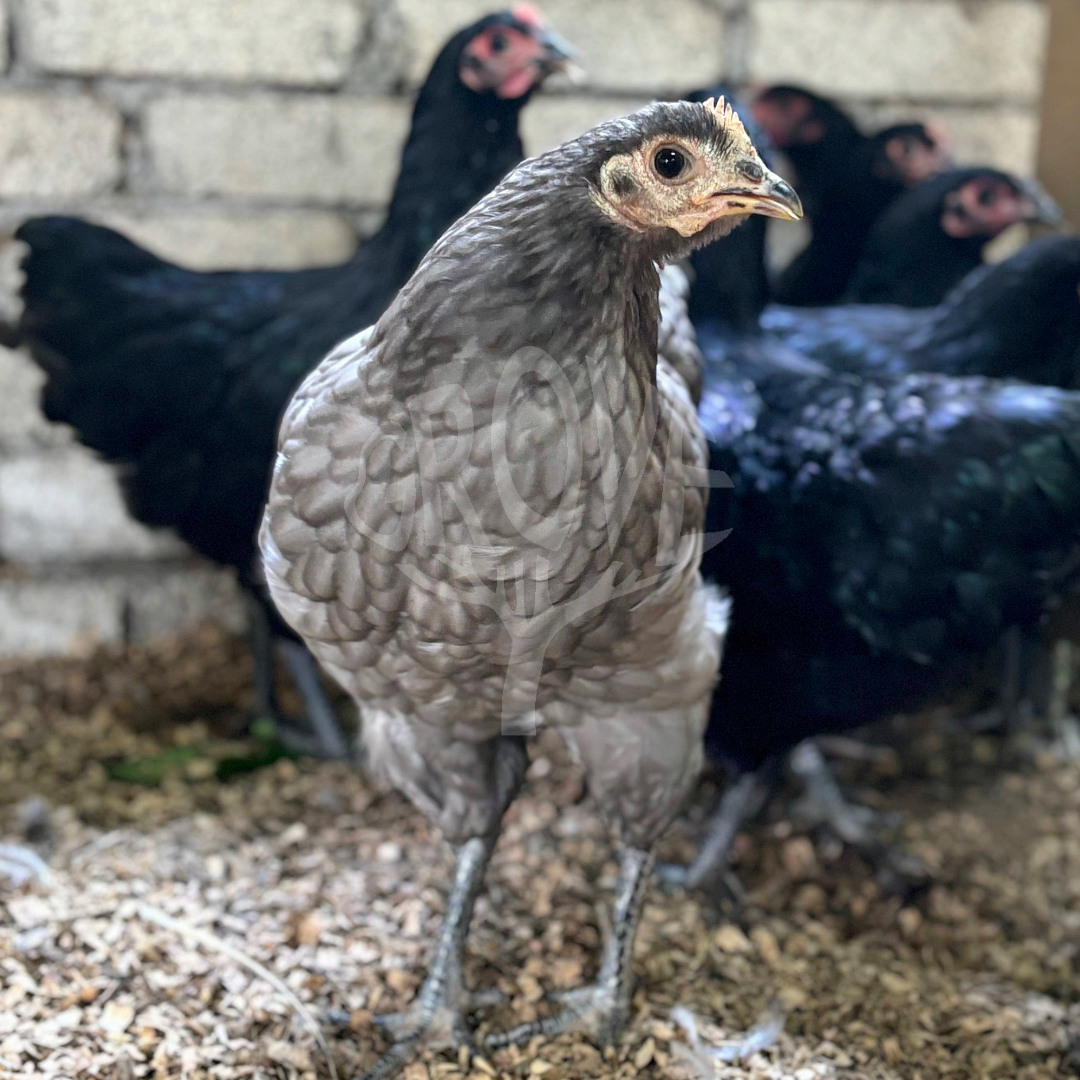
pixel 266 133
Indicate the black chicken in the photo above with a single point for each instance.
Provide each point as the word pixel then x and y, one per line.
pixel 846 180
pixel 931 237
pixel 886 531
pixel 1017 319
pixel 181 377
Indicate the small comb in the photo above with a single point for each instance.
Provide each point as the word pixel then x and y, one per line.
pixel 528 15
pixel 725 114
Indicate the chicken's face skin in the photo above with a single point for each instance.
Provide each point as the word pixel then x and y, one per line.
pixel 687 184
pixel 911 153
pixel 984 208
pixel 512 55
pixel 791 117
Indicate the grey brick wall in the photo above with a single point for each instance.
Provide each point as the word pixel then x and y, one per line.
pixel 266 133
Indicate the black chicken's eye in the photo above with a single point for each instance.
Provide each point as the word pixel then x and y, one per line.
pixel 752 171
pixel 498 42
pixel 987 196
pixel 669 162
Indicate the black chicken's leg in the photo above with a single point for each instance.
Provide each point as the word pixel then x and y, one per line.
pixel 742 802
pixel 326 739
pixel 900 871
pixel 602 1009
pixel 1064 729
pixel 262 653
pixel 442 1002
pixel 320 713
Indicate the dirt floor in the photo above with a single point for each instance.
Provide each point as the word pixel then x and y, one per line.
pixel 196 927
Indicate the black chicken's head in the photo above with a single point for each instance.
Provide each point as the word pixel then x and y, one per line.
pixel 510 53
pixel 690 169
pixel 981 204
pixel 793 117
pixel 909 153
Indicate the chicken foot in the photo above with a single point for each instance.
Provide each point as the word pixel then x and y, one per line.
pixel 741 803
pixel 441 1005
pixel 602 1009
pixel 898 870
pixel 21 864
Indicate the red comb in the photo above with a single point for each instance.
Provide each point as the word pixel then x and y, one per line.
pixel 528 15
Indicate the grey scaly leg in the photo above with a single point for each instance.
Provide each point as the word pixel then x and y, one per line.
pixel 602 1009
pixel 853 824
pixel 327 739
pixel 262 651
pixel 742 802
pixel 330 739
pixel 441 1004
pixel 1064 728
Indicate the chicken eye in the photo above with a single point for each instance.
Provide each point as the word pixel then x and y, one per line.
pixel 498 42
pixel 669 162
pixel 752 171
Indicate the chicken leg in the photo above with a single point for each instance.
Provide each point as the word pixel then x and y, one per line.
pixel 330 740
pixel 742 802
pixel 441 1005
pixel 439 1010
pixel 325 738
pixel 602 1009
pixel 899 870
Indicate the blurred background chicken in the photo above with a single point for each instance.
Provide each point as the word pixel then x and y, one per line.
pixel 848 180
pixel 181 377
pixel 887 531
pixel 935 234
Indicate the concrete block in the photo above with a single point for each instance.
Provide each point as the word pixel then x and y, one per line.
pixel 57 144
pixel 920 49
pixel 551 119
pixel 22 427
pixel 181 598
pixel 10 276
pixel 274 146
pixel 59 617
pixel 275 41
pixel 72 611
pixel 638 47
pixel 66 507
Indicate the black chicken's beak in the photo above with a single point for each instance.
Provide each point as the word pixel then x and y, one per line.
pixel 771 196
pixel 1039 204
pixel 559 55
